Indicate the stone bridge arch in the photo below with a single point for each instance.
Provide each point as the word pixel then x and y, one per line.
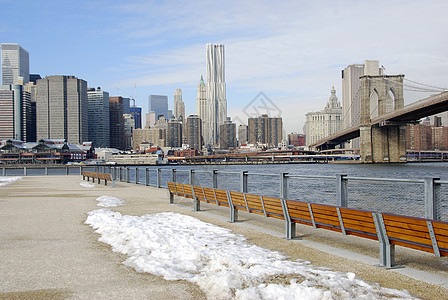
pixel 381 143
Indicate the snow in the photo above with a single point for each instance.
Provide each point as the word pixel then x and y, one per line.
pixel 109 201
pixel 224 265
pixel 87 184
pixel 8 180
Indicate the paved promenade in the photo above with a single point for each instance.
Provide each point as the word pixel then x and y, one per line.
pixel 47 252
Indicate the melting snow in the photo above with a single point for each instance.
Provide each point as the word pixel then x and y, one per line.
pixel 222 264
pixel 109 201
pixel 8 180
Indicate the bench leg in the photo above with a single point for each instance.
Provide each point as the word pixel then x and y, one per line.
pixel 197 205
pixel 387 250
pixel 233 215
pixel 105 182
pixel 171 197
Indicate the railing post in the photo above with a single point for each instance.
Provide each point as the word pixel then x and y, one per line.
pixel 136 175
pixel 128 174
pixel 147 176
pixel 80 170
pixel 159 178
pixel 46 170
pixel 215 179
pixel 432 198
pixel 4 171
pixel 341 190
pixel 173 175
pixel 191 177
pixel 67 170
pixel 24 171
pixel 243 182
pixel 284 185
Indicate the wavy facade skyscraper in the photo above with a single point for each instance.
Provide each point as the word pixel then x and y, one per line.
pixel 216 93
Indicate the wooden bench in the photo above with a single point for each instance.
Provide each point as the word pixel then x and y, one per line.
pixel 99 176
pixel 388 229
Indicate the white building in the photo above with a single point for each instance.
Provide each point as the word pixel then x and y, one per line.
pixel 325 122
pixel 15 64
pixel 201 102
pixel 216 93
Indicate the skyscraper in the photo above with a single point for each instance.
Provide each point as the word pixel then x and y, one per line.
pixel 136 113
pixel 216 93
pixel 15 113
pixel 179 105
pixel 62 109
pixel 15 64
pixel 159 105
pixel 117 135
pixel 265 130
pixel 194 132
pixel 174 133
pixel 99 125
pixel 227 138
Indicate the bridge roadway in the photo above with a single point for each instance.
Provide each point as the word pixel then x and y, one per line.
pixel 408 114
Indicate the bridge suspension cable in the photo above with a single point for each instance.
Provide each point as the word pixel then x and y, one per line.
pixel 418 87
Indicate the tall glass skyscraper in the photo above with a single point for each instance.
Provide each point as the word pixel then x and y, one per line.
pixel 15 64
pixel 216 93
pixel 159 105
pixel 99 126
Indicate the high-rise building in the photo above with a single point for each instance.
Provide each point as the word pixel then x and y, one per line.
pixel 15 64
pixel 193 130
pixel 128 129
pixel 216 93
pixel 227 137
pixel 126 105
pixel 243 136
pixel 174 133
pixel 31 88
pixel 136 113
pixel 150 119
pixel 62 109
pixel 324 123
pixel 179 105
pixel 201 101
pixel 116 119
pixel 99 125
pixel 265 130
pixel 15 113
pixel 159 105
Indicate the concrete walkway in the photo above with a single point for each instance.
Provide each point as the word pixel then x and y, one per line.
pixel 47 252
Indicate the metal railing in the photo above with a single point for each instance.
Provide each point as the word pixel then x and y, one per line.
pixel 424 198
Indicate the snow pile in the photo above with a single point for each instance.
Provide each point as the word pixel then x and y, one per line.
pixel 86 184
pixel 109 201
pixel 8 180
pixel 224 265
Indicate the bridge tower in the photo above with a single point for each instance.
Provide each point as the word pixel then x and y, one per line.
pixel 384 142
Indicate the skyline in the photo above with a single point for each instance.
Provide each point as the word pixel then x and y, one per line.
pixel 292 51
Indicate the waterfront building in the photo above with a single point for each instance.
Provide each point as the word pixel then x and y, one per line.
pixel 296 139
pixel 243 137
pixel 193 130
pixel 174 133
pixel 227 138
pixel 15 113
pixel 62 109
pixel 265 130
pixel 159 105
pixel 99 125
pixel 116 119
pixel 179 105
pixel 216 93
pixel 136 113
pixel 439 138
pixel 324 123
pixel 15 64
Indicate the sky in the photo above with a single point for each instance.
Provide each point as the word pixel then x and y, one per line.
pixel 291 51
pixel 224 265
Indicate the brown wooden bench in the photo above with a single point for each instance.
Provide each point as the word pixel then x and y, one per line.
pixel 388 229
pixel 99 176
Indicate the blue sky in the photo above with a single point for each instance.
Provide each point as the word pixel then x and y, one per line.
pixel 292 51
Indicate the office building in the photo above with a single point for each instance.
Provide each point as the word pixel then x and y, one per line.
pixel 15 64
pixel 265 130
pixel 136 113
pixel 216 93
pixel 193 130
pixel 128 129
pixel 243 136
pixel 31 88
pixel 296 139
pixel 15 113
pixel 179 105
pixel 62 109
pixel 227 137
pixel 150 119
pixel 99 125
pixel 174 133
pixel 201 101
pixel 116 120
pixel 159 105
pixel 126 105
pixel 324 123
